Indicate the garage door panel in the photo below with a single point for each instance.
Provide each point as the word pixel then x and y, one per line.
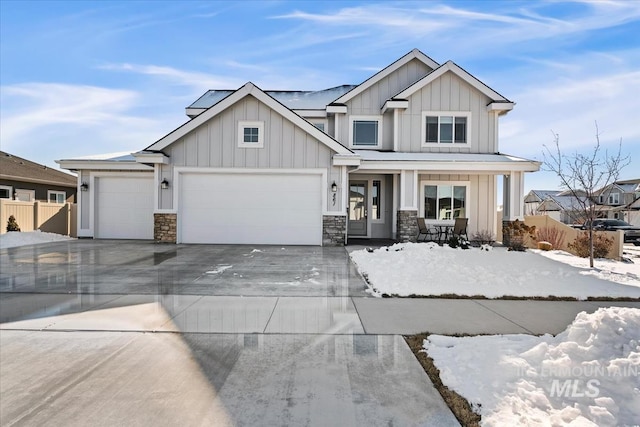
pixel 260 209
pixel 124 208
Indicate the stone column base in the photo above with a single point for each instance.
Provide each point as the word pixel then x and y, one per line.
pixel 334 228
pixel 165 227
pixel 407 226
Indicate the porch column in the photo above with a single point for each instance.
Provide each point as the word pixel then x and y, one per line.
pixel 513 201
pixel 407 223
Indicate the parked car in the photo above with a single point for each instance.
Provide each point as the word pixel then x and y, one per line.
pixel 631 233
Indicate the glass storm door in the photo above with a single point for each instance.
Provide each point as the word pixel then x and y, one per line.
pixel 358 208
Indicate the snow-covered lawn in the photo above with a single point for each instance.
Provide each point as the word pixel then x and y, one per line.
pixel 23 238
pixel 588 375
pixel 428 269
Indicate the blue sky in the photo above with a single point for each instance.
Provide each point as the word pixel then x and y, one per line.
pixel 80 78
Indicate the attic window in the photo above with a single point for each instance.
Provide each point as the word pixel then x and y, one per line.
pixel 250 134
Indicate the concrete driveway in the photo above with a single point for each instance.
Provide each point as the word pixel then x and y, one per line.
pixel 121 333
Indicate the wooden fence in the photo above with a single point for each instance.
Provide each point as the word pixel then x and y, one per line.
pixel 50 217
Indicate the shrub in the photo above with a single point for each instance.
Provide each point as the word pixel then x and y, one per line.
pixel 483 237
pixel 12 225
pixel 601 245
pixel 545 246
pixel 552 235
pixel 516 235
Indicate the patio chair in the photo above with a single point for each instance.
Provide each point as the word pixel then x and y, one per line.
pixel 424 230
pixel 460 228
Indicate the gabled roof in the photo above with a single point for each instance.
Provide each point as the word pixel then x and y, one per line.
pixel 414 54
pixel 451 66
pixel 543 194
pixel 246 90
pixel 18 169
pixel 292 99
pixel 623 186
pixel 109 161
pixel 565 203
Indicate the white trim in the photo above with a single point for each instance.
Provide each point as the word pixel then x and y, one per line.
pixel 394 218
pixel 394 104
pixel 378 119
pixel 457 70
pixel 103 165
pixel 396 129
pixel 154 158
pixel 346 160
pixel 79 200
pixel 402 185
pixel 50 192
pixel 9 188
pixel 451 166
pixel 501 107
pixel 467 198
pixel 244 124
pixel 440 114
pixel 156 187
pixel 345 194
pixel 165 211
pixel 307 114
pixel 194 112
pixel 414 54
pixel 336 109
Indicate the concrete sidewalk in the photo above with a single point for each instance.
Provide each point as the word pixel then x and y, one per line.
pixel 288 315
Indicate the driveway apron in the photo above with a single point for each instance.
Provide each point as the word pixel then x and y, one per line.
pixel 113 332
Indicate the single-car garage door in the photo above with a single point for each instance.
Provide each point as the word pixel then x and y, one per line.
pixel 251 208
pixel 124 207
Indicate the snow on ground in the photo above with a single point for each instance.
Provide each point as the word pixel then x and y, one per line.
pixel 24 238
pixel 428 269
pixel 589 375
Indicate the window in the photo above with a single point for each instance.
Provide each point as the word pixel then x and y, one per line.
pixel 365 131
pixel 376 206
pixel 5 191
pixel 614 199
pixel 319 125
pixel 56 196
pixel 445 128
pixel 251 134
pixel 444 202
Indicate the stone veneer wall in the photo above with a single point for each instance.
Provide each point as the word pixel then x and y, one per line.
pixel 165 226
pixel 407 226
pixel 334 228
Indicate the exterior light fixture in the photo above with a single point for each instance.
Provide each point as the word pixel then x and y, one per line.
pixel 164 184
pixel 84 186
pixel 334 190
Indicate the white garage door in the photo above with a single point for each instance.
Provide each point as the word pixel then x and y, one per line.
pixel 124 208
pixel 251 209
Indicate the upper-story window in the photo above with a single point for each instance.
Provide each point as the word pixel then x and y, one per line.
pixel 250 134
pixel 445 127
pixel 365 131
pixel 614 198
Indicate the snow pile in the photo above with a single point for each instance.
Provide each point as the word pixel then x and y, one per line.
pixel 428 269
pixel 14 239
pixel 589 375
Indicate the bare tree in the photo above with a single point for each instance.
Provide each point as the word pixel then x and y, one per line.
pixel 583 175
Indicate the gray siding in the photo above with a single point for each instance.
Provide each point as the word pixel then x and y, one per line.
pixel 482 206
pixel 448 93
pixel 215 145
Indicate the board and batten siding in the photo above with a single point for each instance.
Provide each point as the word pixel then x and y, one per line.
pixel 214 144
pixel 448 93
pixel 370 101
pixel 482 206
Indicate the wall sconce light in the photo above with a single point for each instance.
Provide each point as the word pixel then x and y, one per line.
pixel 164 184
pixel 84 187
pixel 334 190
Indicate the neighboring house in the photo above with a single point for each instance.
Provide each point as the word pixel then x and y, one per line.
pixel 620 200
pixel 565 208
pixel 279 167
pixel 21 179
pixel 534 199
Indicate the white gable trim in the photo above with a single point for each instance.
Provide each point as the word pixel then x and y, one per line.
pixel 458 71
pixel 248 89
pixel 414 54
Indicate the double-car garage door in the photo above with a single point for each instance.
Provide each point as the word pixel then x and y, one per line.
pixel 251 208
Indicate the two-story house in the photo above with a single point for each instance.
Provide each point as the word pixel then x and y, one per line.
pixel 417 139
pixel 620 200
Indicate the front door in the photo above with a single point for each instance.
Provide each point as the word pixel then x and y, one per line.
pixel 358 208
